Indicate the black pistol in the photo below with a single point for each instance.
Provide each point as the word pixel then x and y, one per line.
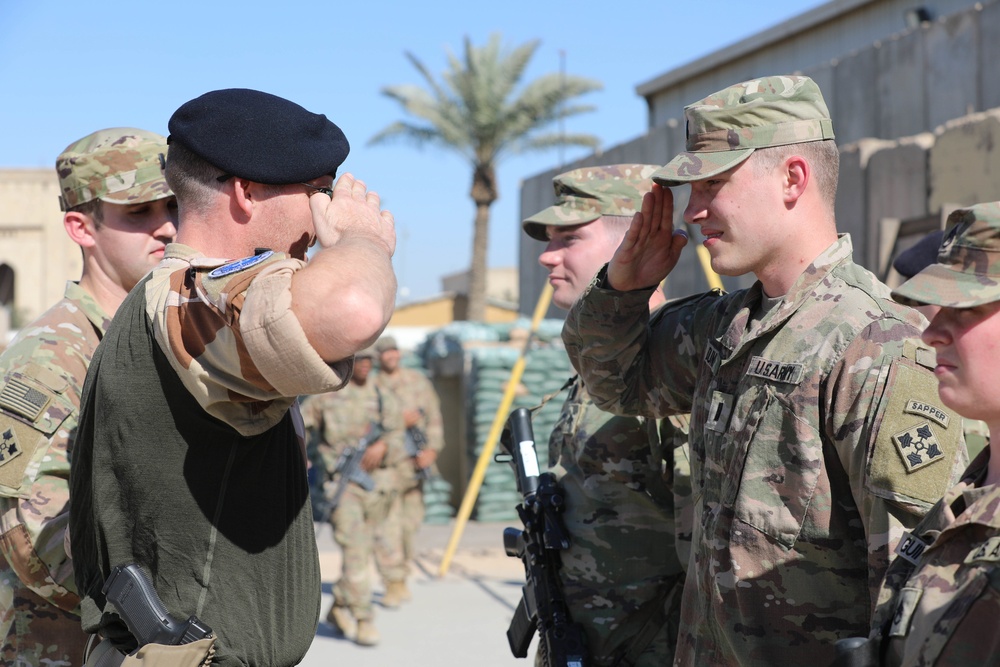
pixel 134 598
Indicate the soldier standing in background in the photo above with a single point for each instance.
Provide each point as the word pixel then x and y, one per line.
pixel 815 431
pixel 423 441
pixel 621 575
pixel 940 604
pixel 335 422
pixel 119 210
pixel 909 263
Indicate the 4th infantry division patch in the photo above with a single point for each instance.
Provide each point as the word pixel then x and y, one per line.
pixel 918 446
pixel 9 449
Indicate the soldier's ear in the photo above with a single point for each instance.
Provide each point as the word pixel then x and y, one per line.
pixel 81 228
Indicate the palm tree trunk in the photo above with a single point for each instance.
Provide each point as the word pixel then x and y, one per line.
pixel 484 193
pixel 478 270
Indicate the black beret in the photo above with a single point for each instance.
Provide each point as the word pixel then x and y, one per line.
pixel 259 136
pixel 919 256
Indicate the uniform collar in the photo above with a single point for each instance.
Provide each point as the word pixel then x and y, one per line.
pixel 88 305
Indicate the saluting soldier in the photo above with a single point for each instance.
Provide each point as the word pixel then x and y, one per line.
pixel 810 451
pixel 623 572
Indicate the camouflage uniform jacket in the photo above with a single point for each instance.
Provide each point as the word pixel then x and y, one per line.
pixel 414 391
pixel 816 438
pixel 190 461
pixel 940 604
pixel 621 569
pixel 43 372
pixel 338 420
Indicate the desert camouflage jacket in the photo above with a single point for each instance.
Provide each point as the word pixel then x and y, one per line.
pixel 940 604
pixel 43 372
pixel 337 420
pixel 621 569
pixel 414 391
pixel 816 437
pixel 228 331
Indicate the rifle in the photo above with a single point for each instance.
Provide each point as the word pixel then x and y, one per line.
pixel 349 468
pixel 132 594
pixel 415 441
pixel 543 606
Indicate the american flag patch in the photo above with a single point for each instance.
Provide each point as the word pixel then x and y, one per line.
pixel 23 399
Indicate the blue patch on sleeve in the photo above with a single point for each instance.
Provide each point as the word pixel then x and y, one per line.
pixel 239 265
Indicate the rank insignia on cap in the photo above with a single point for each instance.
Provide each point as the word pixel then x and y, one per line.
pixel 23 399
pixel 9 449
pixel 918 446
pixel 239 265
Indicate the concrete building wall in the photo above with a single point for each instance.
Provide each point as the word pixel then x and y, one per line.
pixel 33 242
pixel 831 31
pixel 907 109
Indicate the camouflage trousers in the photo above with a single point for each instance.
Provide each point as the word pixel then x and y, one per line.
pixel 355 521
pixel 34 631
pixel 396 537
pixel 645 638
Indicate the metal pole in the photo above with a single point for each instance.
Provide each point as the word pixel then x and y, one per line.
pixel 489 447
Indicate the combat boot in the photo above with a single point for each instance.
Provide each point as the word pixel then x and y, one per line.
pixel 342 619
pixel 404 592
pixel 396 593
pixel 367 634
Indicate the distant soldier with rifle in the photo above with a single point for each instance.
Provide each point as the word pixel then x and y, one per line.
pixel 423 440
pixel 358 433
pixel 622 573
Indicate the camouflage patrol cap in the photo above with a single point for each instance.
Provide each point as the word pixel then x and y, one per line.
pixel 120 165
pixel 967 272
pixel 386 343
pixel 367 353
pixel 583 195
pixel 726 127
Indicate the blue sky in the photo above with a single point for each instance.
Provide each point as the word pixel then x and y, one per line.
pixel 69 68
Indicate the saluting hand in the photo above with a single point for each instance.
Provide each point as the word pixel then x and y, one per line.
pixel 353 209
pixel 651 247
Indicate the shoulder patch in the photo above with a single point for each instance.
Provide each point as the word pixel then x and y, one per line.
pixel 917 442
pixel 19 443
pixel 239 265
pixel 23 399
pixel 10 448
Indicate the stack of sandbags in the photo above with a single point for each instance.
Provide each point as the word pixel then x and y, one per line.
pixel 437 500
pixel 546 370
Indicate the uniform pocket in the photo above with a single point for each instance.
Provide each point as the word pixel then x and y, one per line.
pixel 782 464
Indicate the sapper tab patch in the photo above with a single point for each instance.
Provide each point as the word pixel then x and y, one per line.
pixel 9 447
pixel 775 370
pixel 929 411
pixel 239 265
pixel 918 446
pixel 25 400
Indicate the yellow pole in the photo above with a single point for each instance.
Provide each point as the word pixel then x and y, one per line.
pixel 479 472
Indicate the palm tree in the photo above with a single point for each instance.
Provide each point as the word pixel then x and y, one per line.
pixel 475 111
